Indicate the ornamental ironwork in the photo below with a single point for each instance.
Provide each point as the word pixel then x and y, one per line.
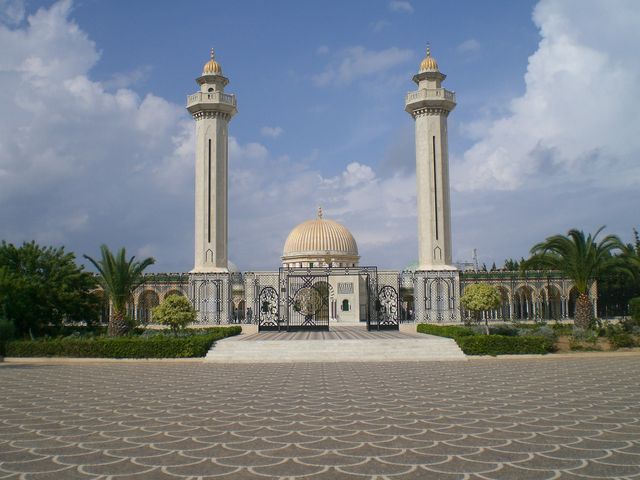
pixel 268 309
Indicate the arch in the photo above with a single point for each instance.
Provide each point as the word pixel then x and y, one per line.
pixel 523 303
pixel 503 312
pixel 551 302
pixel 174 291
pixel 146 302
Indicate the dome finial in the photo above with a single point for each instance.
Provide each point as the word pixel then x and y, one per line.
pixel 213 54
pixel 320 212
pixel 428 50
pixel 429 63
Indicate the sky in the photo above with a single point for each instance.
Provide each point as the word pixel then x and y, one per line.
pixel 96 145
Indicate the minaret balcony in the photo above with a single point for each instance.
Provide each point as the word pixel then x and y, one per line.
pixel 215 101
pixel 430 97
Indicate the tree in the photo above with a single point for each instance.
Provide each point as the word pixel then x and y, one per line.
pixel 511 265
pixel 119 277
pixel 480 297
pixel 175 311
pixel 580 258
pixel 42 286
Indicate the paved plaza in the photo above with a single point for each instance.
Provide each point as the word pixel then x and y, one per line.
pixel 491 419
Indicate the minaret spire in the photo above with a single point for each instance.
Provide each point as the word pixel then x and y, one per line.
pixel 430 106
pixel 212 109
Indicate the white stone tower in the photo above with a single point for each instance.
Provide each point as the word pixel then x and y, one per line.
pixel 212 109
pixel 429 106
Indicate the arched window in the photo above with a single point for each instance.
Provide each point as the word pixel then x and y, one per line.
pixel 345 305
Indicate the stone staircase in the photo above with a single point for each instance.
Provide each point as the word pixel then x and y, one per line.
pixel 396 347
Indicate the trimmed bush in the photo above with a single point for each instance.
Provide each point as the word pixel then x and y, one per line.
pixel 159 346
pixel 474 344
pixel 449 331
pixel 503 345
pixel 622 340
pixel 504 329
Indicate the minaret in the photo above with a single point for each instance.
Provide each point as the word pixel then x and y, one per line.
pixel 212 110
pixel 429 106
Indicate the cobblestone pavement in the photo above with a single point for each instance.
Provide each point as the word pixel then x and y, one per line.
pixel 482 419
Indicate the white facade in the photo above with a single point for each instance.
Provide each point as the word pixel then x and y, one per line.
pixel 212 109
pixel 429 106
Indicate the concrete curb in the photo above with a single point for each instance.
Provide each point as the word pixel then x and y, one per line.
pixel 555 356
pixel 84 361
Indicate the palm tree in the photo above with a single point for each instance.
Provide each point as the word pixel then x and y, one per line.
pixel 119 278
pixel 580 259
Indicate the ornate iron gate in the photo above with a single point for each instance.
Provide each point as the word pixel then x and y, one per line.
pixel 263 300
pixel 387 303
pixel 268 309
pixel 307 301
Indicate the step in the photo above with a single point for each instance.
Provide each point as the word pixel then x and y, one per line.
pixel 414 349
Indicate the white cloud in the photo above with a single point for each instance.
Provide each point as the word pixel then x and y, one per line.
pixel 355 62
pixel 273 132
pixel 322 50
pixel 402 6
pixel 577 120
pixel 469 46
pixel 379 26
pixel 81 164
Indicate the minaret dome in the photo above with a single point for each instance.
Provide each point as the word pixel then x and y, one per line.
pixel 429 63
pixel 212 67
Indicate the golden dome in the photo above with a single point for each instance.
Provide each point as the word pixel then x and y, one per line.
pixel 320 237
pixel 429 63
pixel 212 67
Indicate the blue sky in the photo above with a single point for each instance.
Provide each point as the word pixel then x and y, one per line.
pixel 96 146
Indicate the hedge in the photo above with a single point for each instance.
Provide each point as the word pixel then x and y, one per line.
pixel 450 331
pixel 160 346
pixel 473 344
pixel 503 345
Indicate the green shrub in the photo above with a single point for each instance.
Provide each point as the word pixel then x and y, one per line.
pixel 622 340
pixel 542 331
pixel 449 331
pixel 176 312
pixel 582 335
pixel 504 329
pixel 7 332
pixel 474 344
pixel 503 345
pixel 160 346
pixel 634 308
pixel 562 328
pixel 75 330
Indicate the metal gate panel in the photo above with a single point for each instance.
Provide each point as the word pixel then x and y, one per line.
pixel 263 296
pixel 307 301
pixel 386 315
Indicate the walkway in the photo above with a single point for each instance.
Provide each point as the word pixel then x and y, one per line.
pixel 481 419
